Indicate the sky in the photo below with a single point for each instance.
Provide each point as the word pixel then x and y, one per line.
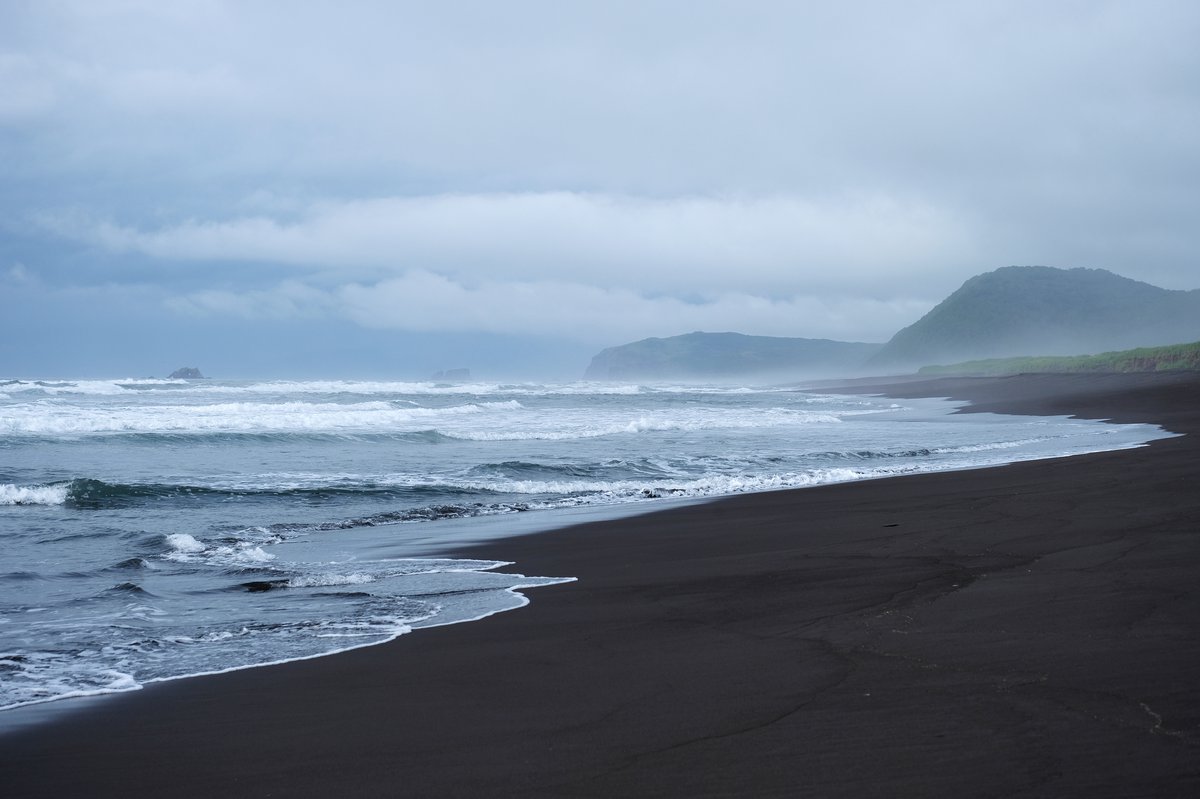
pixel 367 189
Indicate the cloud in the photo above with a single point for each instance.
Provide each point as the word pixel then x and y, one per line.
pixel 647 98
pixel 423 301
pixel 288 300
pixel 624 168
pixel 426 302
pixel 17 274
pixel 775 246
pixel 28 93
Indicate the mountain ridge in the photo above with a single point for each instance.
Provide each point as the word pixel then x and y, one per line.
pixel 700 355
pixel 1007 312
pixel 1041 310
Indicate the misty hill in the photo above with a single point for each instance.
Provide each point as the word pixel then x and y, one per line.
pixel 1038 310
pixel 714 356
pixel 1176 357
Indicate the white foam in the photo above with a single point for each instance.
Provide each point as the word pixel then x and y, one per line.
pixel 96 387
pixel 995 445
pixel 11 494
pixel 515 591
pixel 324 580
pixel 46 677
pixel 187 549
pixel 184 543
pixel 427 388
pixel 378 387
pixel 246 553
pixel 238 417
pixel 566 427
pixel 502 420
pixel 435 388
pixel 604 491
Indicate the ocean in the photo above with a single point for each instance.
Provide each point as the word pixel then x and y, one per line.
pixel 159 529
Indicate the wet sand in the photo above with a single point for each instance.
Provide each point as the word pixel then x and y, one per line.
pixel 1028 630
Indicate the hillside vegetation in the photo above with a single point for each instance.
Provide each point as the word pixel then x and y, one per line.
pixel 1143 359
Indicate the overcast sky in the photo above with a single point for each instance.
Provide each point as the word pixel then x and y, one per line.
pixel 370 188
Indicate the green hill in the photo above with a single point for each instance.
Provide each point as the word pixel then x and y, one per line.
pixel 1184 357
pixel 1021 309
pixel 716 356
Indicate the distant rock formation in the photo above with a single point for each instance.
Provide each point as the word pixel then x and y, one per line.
pixel 453 375
pixel 718 356
pixel 187 373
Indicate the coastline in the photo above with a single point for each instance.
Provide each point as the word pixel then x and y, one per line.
pixel 1025 628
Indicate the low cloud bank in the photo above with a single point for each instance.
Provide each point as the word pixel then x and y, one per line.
pixel 427 302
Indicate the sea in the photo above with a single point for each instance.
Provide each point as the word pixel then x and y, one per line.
pixel 160 529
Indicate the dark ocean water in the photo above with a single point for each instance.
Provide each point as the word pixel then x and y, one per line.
pixel 155 529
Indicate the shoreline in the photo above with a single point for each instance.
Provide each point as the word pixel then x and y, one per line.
pixel 453 535
pixel 874 637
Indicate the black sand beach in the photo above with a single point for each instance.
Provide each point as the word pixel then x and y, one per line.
pixel 1028 630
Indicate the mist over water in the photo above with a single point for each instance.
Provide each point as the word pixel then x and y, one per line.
pixel 155 529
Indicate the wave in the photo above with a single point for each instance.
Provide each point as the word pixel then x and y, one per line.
pixel 428 513
pixel 573 492
pixel 372 572
pixel 104 438
pixel 211 388
pixel 130 564
pixel 552 494
pixel 315 619
pixel 642 467
pixel 129 588
pixel 240 418
pixel 430 388
pixel 52 494
pixel 504 420
pixel 452 495
pixel 185 548
pixel 426 495
pixel 131 385
pixel 608 481
pixel 92 387
pixel 652 424
pixel 925 452
pixel 88 493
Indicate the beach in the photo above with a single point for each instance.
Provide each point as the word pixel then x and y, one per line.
pixel 1026 630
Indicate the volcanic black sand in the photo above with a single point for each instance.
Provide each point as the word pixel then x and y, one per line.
pixel 1028 630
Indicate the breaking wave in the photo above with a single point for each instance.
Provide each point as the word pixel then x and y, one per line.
pixel 54 494
pixel 238 418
